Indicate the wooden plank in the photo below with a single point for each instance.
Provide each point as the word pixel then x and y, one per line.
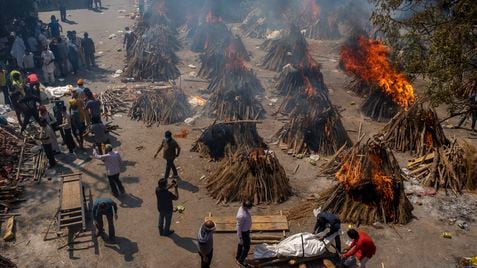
pixel 259 223
pixel 255 219
pixel 421 159
pixel 71 195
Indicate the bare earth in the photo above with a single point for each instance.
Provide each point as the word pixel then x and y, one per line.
pixel 418 244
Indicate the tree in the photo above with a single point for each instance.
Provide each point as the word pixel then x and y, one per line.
pixel 433 39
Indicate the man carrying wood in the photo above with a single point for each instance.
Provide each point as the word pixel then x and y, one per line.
pixel 244 225
pixel 105 206
pixel 362 248
pixel 205 240
pixel 328 220
pixel 165 206
pixel 171 151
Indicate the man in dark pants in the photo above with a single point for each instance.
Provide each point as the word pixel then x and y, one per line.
pixel 328 220
pixel 171 151
pixel 164 205
pixel 112 161
pixel 30 102
pixel 88 47
pixel 62 8
pixel 4 85
pixel 244 225
pixel 105 206
pixel 45 140
pixel 205 240
pixel 472 112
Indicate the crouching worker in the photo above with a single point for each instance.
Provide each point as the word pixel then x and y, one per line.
pixel 105 206
pixel 362 249
pixel 328 220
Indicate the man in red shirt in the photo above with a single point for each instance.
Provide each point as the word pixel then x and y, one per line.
pixel 362 248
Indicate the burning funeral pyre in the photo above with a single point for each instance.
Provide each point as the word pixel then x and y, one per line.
pixel 387 90
pixel 315 125
pixel 164 105
pixel 451 167
pixel 318 23
pixel 214 58
pixel 221 139
pixel 266 17
pixel 370 189
pixel 254 175
pixel 234 93
pixel 290 47
pixel 211 31
pixel 153 56
pixel 417 129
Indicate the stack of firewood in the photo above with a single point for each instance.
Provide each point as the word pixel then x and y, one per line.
pixel 379 106
pixel 167 105
pixel 211 31
pixel 255 175
pixel 370 189
pixel 221 139
pixel 290 48
pixel 154 56
pixel 112 102
pixel 452 167
pixel 417 130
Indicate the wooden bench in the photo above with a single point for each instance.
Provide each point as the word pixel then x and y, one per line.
pixel 268 223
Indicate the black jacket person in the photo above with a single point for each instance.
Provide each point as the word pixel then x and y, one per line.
pixel 328 220
pixel 171 151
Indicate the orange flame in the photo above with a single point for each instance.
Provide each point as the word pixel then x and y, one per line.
pixel 370 62
pixel 210 18
pixel 382 183
pixel 309 89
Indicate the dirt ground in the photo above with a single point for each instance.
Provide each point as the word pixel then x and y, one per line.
pixel 417 244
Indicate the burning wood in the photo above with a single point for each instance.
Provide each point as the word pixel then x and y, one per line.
pixel 317 23
pixel 233 94
pixel 368 61
pixel 154 55
pixel 213 60
pixel 210 32
pixel 161 106
pixel 294 80
pixel 370 188
pixel 290 48
pixel 452 167
pixel 417 130
pixel 254 175
pixel 222 139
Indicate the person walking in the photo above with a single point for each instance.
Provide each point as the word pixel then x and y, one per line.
pixel 62 59
pixel 18 50
pixel 129 39
pixel 105 207
pixel 51 121
pixel 100 136
pixel 362 249
pixel 205 241
pixel 472 112
pixel 45 140
pixel 54 27
pixel 172 150
pixel 92 107
pixel 88 47
pixel 48 66
pixel 97 4
pixel 73 56
pixel 244 225
pixel 165 206
pixel 77 123
pixel 62 8
pixel 30 102
pixel 68 134
pixel 112 161
pixel 328 220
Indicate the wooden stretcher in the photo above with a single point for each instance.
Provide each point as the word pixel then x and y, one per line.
pixel 72 208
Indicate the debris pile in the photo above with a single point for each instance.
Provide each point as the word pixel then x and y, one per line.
pixel 166 105
pixel 387 90
pixel 221 139
pixel 417 130
pixel 254 175
pixel 452 167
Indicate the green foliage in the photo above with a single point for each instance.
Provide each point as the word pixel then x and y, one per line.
pixel 433 39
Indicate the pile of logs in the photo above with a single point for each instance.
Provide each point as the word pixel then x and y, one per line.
pixel 112 102
pixel 452 167
pixel 370 188
pixel 154 56
pixel 167 105
pixel 254 175
pixel 234 94
pixel 221 139
pixel 417 130
pixel 266 17
pixel 290 48
pixel 215 57
pixel 208 33
pixel 379 106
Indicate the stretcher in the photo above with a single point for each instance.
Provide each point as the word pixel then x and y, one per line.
pixel 72 203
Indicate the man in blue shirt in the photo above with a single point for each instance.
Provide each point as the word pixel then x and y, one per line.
pixel 54 27
pixel 328 220
pixel 105 206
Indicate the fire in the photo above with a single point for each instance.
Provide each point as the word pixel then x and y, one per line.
pixel 309 89
pixel 210 18
pixel 369 60
pixel 382 183
pixel 429 139
pixel 235 63
pixel 350 174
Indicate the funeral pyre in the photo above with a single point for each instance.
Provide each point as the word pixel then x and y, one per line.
pixel 370 189
pixel 314 125
pixel 386 89
pixel 288 47
pixel 417 130
pixel 233 93
pixel 254 175
pixel 210 31
pixel 162 105
pixel 318 23
pixel 451 167
pixel 221 139
pixel 266 17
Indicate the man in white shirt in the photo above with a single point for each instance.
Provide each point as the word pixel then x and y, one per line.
pixel 112 161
